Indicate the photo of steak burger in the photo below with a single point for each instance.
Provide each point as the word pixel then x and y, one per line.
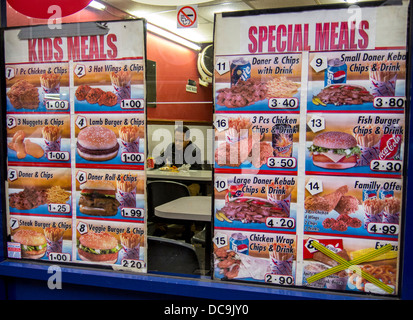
pixel 334 150
pixel 98 198
pixel 33 243
pixel 98 247
pixel 97 143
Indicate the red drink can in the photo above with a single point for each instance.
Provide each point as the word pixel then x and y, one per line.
pixel 390 147
pixel 150 163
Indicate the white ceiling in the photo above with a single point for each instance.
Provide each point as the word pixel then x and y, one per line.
pixel 165 16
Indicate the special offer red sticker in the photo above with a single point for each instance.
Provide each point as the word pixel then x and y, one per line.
pixel 44 9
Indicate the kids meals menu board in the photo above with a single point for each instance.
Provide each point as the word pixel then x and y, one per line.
pixel 75 121
pixel 310 127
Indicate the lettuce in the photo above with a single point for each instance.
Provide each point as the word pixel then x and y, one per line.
pixel 32 248
pixel 347 152
pixel 99 251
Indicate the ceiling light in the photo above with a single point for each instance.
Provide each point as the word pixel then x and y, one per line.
pixel 97 5
pixel 173 37
pixel 171 2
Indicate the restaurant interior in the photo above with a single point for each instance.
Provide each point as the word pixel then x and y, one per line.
pixel 179 93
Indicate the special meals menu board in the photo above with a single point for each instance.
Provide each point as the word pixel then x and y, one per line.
pixel 75 114
pixel 309 145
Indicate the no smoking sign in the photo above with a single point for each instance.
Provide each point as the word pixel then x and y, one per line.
pixel 187 17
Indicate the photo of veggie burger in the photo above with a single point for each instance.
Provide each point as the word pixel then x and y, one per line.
pixel 334 150
pixel 33 243
pixel 98 247
pixel 98 198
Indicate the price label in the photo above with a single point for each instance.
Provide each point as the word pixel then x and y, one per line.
pixel 133 263
pixel 220 240
pixel 57 104
pixel 59 257
pixel 132 157
pixel 316 124
pixel 58 208
pixel 221 123
pixel 319 63
pixel 314 186
pixel 221 184
pixel 132 212
pixel 389 102
pixel 132 104
pixel 283 103
pixel 58 155
pixel 222 66
pixel 279 162
pixel 80 70
pixel 383 228
pixel 286 223
pixel 279 279
pixel 386 165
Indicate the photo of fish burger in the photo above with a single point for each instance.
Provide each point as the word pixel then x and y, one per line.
pixel 97 143
pixel 98 198
pixel 33 243
pixel 334 150
pixel 98 247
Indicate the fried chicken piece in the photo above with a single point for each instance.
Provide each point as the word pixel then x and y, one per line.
pixel 108 99
pixel 82 91
pixel 334 197
pixel 264 151
pixel 347 205
pixel 325 203
pixel 23 94
pixel 314 203
pixel 93 95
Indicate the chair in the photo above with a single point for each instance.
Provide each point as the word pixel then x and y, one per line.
pixel 163 191
pixel 172 256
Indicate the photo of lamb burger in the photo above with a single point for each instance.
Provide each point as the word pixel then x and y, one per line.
pixel 97 143
pixel 334 150
pixel 98 198
pixel 98 247
pixel 33 243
